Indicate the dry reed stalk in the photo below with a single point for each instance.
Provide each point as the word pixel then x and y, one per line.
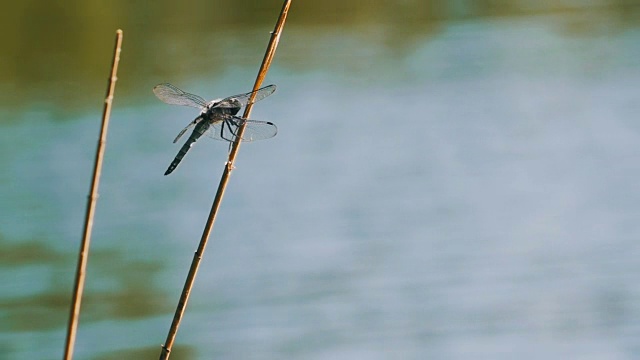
pixel 91 206
pixel 184 297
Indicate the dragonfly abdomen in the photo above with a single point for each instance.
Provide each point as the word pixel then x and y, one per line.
pixel 200 129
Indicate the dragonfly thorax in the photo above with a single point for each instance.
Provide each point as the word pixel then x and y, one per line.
pixel 222 107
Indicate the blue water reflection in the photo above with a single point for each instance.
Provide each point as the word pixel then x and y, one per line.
pixel 474 197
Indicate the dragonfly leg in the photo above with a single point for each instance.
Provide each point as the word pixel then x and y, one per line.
pixel 226 123
pixel 237 126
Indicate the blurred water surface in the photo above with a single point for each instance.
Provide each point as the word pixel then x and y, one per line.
pixel 456 185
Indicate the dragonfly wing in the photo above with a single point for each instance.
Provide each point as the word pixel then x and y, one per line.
pixel 227 129
pixel 174 96
pixel 191 124
pixel 258 130
pixel 221 130
pixel 254 130
pixel 244 98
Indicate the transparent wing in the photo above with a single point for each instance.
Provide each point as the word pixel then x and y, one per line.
pixel 227 128
pixel 191 124
pixel 258 130
pixel 174 96
pixel 244 98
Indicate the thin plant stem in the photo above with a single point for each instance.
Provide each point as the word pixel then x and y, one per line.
pixel 91 206
pixel 197 257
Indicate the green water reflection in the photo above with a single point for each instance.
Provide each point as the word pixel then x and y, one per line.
pixel 56 54
pixel 127 291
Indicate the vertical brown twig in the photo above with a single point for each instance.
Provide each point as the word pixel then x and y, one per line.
pixel 184 297
pixel 91 206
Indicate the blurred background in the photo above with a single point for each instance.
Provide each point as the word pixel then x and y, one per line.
pixel 451 180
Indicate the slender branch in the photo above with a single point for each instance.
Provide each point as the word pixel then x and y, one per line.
pixel 91 206
pixel 186 291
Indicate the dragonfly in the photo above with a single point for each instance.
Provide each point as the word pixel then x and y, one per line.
pixel 217 118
